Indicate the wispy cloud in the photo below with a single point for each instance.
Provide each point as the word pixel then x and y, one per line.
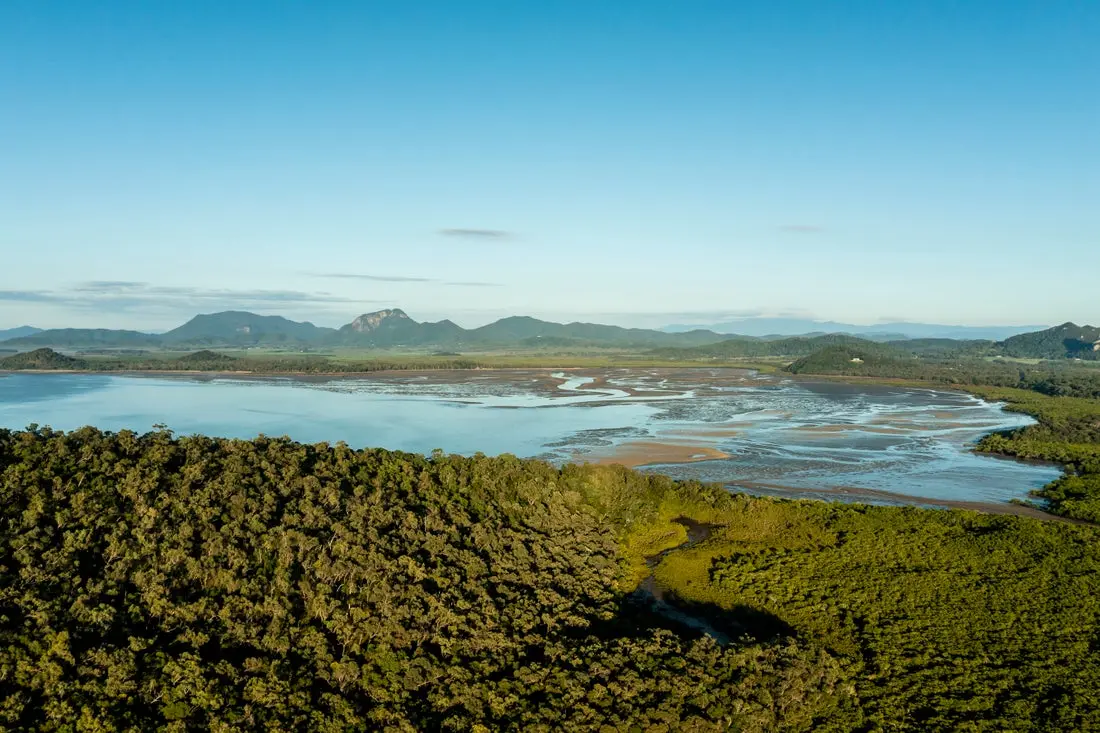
pixel 97 286
pixel 119 296
pixel 405 279
pixel 373 278
pixel 26 296
pixel 476 233
pixel 803 228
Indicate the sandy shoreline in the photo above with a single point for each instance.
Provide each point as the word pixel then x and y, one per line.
pixel 679 446
pixel 647 453
pixel 851 493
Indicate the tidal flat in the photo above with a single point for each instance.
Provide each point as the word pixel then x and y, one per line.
pixel 765 434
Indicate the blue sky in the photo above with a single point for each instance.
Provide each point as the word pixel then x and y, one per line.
pixel 630 162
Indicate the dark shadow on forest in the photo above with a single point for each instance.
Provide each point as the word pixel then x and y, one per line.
pixel 639 614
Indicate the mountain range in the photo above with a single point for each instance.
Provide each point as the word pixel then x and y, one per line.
pixel 393 328
pixel 388 328
pixel 1067 341
pixel 765 327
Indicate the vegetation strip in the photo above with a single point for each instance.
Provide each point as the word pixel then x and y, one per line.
pixel 150 582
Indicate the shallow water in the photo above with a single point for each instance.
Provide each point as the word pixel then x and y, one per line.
pixel 782 436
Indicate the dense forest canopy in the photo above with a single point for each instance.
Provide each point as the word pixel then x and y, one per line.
pixel 149 582
pixel 217 584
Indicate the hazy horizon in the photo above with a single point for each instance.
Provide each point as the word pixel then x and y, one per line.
pixel 627 320
pixel 641 164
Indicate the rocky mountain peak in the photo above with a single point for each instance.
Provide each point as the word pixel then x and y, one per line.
pixel 372 321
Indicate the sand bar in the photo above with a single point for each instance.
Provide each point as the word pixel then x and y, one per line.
pixel 644 453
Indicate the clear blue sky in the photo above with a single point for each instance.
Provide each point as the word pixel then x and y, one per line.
pixel 631 162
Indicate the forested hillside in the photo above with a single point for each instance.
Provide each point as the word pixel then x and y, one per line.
pixel 1066 341
pixel 1066 379
pixel 148 582
pixel 750 348
pixel 240 328
pixel 41 359
pixel 86 337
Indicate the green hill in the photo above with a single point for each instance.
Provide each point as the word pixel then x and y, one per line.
pixel 861 359
pixel 945 348
pixel 517 329
pixel 1066 341
pixel 75 338
pixel 745 347
pixel 206 357
pixel 11 333
pixel 41 359
pixel 240 328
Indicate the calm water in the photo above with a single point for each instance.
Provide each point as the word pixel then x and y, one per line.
pixel 782 436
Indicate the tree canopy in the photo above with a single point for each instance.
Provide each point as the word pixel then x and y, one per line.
pixel 149 582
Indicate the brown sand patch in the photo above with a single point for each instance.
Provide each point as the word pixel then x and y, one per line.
pixel 644 453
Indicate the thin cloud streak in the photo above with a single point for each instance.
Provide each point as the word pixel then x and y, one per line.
pixel 476 233
pixel 99 286
pixel 405 279
pixel 119 296
pixel 373 278
pixel 26 296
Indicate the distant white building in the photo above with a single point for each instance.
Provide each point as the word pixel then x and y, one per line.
pixel 857 360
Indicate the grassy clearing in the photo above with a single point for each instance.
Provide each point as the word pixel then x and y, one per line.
pixel 945 620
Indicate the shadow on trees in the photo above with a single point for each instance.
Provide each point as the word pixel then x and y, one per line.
pixel 639 614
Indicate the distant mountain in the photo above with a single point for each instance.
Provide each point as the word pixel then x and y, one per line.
pixel 765 327
pixel 239 328
pixel 526 329
pixel 75 338
pixel 1060 342
pixel 754 348
pixel 1066 341
pixel 41 359
pixel 14 333
pixel 393 327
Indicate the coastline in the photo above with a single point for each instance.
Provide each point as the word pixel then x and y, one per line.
pixel 634 454
pixel 781 491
